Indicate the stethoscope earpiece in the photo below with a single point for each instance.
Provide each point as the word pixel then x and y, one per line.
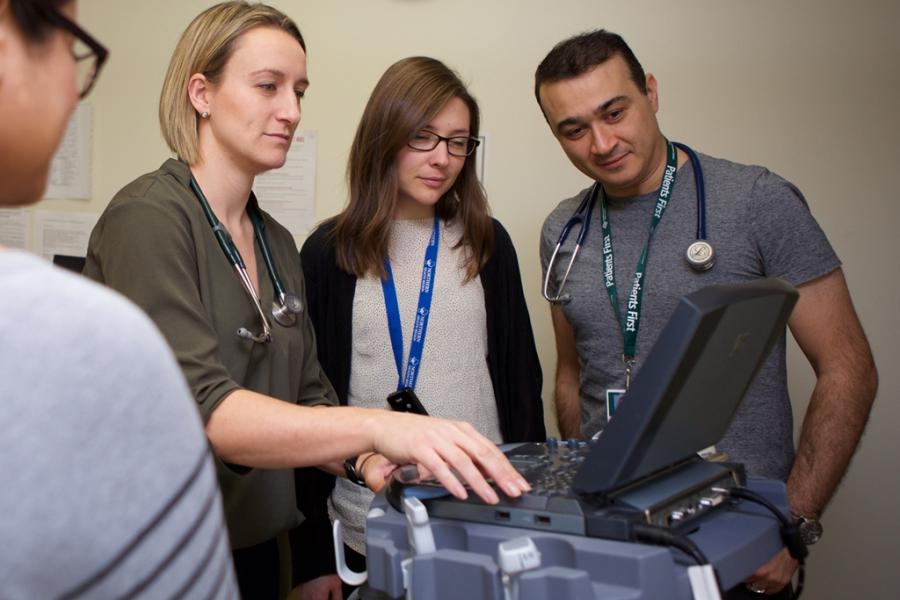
pixel 262 338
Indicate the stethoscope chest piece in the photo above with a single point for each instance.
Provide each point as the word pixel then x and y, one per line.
pixel 701 256
pixel 285 312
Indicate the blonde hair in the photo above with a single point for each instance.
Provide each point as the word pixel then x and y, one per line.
pixel 205 47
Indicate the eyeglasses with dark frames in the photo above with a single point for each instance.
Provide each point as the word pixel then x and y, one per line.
pixel 89 54
pixel 460 146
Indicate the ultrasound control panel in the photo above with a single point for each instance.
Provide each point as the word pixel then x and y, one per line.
pixel 549 467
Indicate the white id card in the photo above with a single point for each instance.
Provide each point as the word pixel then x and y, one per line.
pixel 612 402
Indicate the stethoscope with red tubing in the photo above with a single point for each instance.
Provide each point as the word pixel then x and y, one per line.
pixel 699 255
pixel 286 305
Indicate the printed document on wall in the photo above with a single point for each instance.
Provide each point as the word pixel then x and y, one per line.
pixel 15 226
pixel 70 171
pixel 58 232
pixel 288 193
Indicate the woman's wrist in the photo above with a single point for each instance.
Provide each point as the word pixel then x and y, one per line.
pixel 361 461
pixel 353 468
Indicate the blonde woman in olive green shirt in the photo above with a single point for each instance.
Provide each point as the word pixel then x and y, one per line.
pixel 229 108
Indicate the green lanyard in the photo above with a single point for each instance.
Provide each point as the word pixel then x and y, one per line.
pixel 631 322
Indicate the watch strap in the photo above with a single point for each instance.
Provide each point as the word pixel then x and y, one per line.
pixel 352 474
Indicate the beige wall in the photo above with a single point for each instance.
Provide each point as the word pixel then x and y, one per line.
pixel 809 88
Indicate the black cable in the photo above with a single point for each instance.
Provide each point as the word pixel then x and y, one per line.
pixel 746 494
pixel 790 532
pixel 666 537
pixel 663 536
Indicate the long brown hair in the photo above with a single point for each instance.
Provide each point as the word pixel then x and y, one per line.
pixel 409 94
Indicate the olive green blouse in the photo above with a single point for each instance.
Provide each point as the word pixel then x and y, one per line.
pixel 154 245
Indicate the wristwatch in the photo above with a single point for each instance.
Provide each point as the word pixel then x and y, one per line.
pixel 810 529
pixel 351 472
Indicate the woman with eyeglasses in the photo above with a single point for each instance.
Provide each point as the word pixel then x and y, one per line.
pixel 414 290
pixel 222 280
pixel 108 486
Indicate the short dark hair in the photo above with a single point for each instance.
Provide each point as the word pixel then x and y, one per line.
pixel 579 54
pixel 30 17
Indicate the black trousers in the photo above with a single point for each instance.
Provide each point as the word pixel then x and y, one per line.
pixel 257 570
pixel 356 562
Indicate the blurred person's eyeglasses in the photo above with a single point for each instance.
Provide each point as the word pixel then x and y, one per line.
pixel 89 54
pixel 457 146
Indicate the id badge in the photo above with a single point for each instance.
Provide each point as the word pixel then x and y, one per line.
pixel 613 397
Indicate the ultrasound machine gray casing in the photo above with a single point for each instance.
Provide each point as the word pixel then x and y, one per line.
pixel 736 540
pixel 694 369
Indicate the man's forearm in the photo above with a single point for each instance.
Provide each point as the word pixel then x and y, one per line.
pixel 568 375
pixel 568 409
pixel 829 333
pixel 834 422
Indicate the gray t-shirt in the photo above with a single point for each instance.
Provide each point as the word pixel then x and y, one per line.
pixel 759 225
pixel 108 486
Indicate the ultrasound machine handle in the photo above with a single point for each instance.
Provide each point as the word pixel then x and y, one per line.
pixel 347 575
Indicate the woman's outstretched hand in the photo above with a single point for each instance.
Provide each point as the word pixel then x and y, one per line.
pixel 451 451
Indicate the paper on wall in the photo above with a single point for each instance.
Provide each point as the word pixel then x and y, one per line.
pixel 70 171
pixel 58 232
pixel 15 227
pixel 288 193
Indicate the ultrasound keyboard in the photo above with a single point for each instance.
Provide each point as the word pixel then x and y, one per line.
pixel 549 467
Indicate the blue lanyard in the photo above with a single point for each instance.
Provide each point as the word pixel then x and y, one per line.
pixel 429 267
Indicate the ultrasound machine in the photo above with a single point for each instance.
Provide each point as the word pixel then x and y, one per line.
pixel 637 513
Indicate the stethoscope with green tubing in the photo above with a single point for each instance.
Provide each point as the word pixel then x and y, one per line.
pixel 286 305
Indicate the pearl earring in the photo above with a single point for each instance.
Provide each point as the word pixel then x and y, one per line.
pixel 204 115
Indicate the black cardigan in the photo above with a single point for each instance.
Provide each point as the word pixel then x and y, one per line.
pixel 512 362
pixel 512 357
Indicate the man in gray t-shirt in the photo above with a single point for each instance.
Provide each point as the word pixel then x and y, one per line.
pixel 602 108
